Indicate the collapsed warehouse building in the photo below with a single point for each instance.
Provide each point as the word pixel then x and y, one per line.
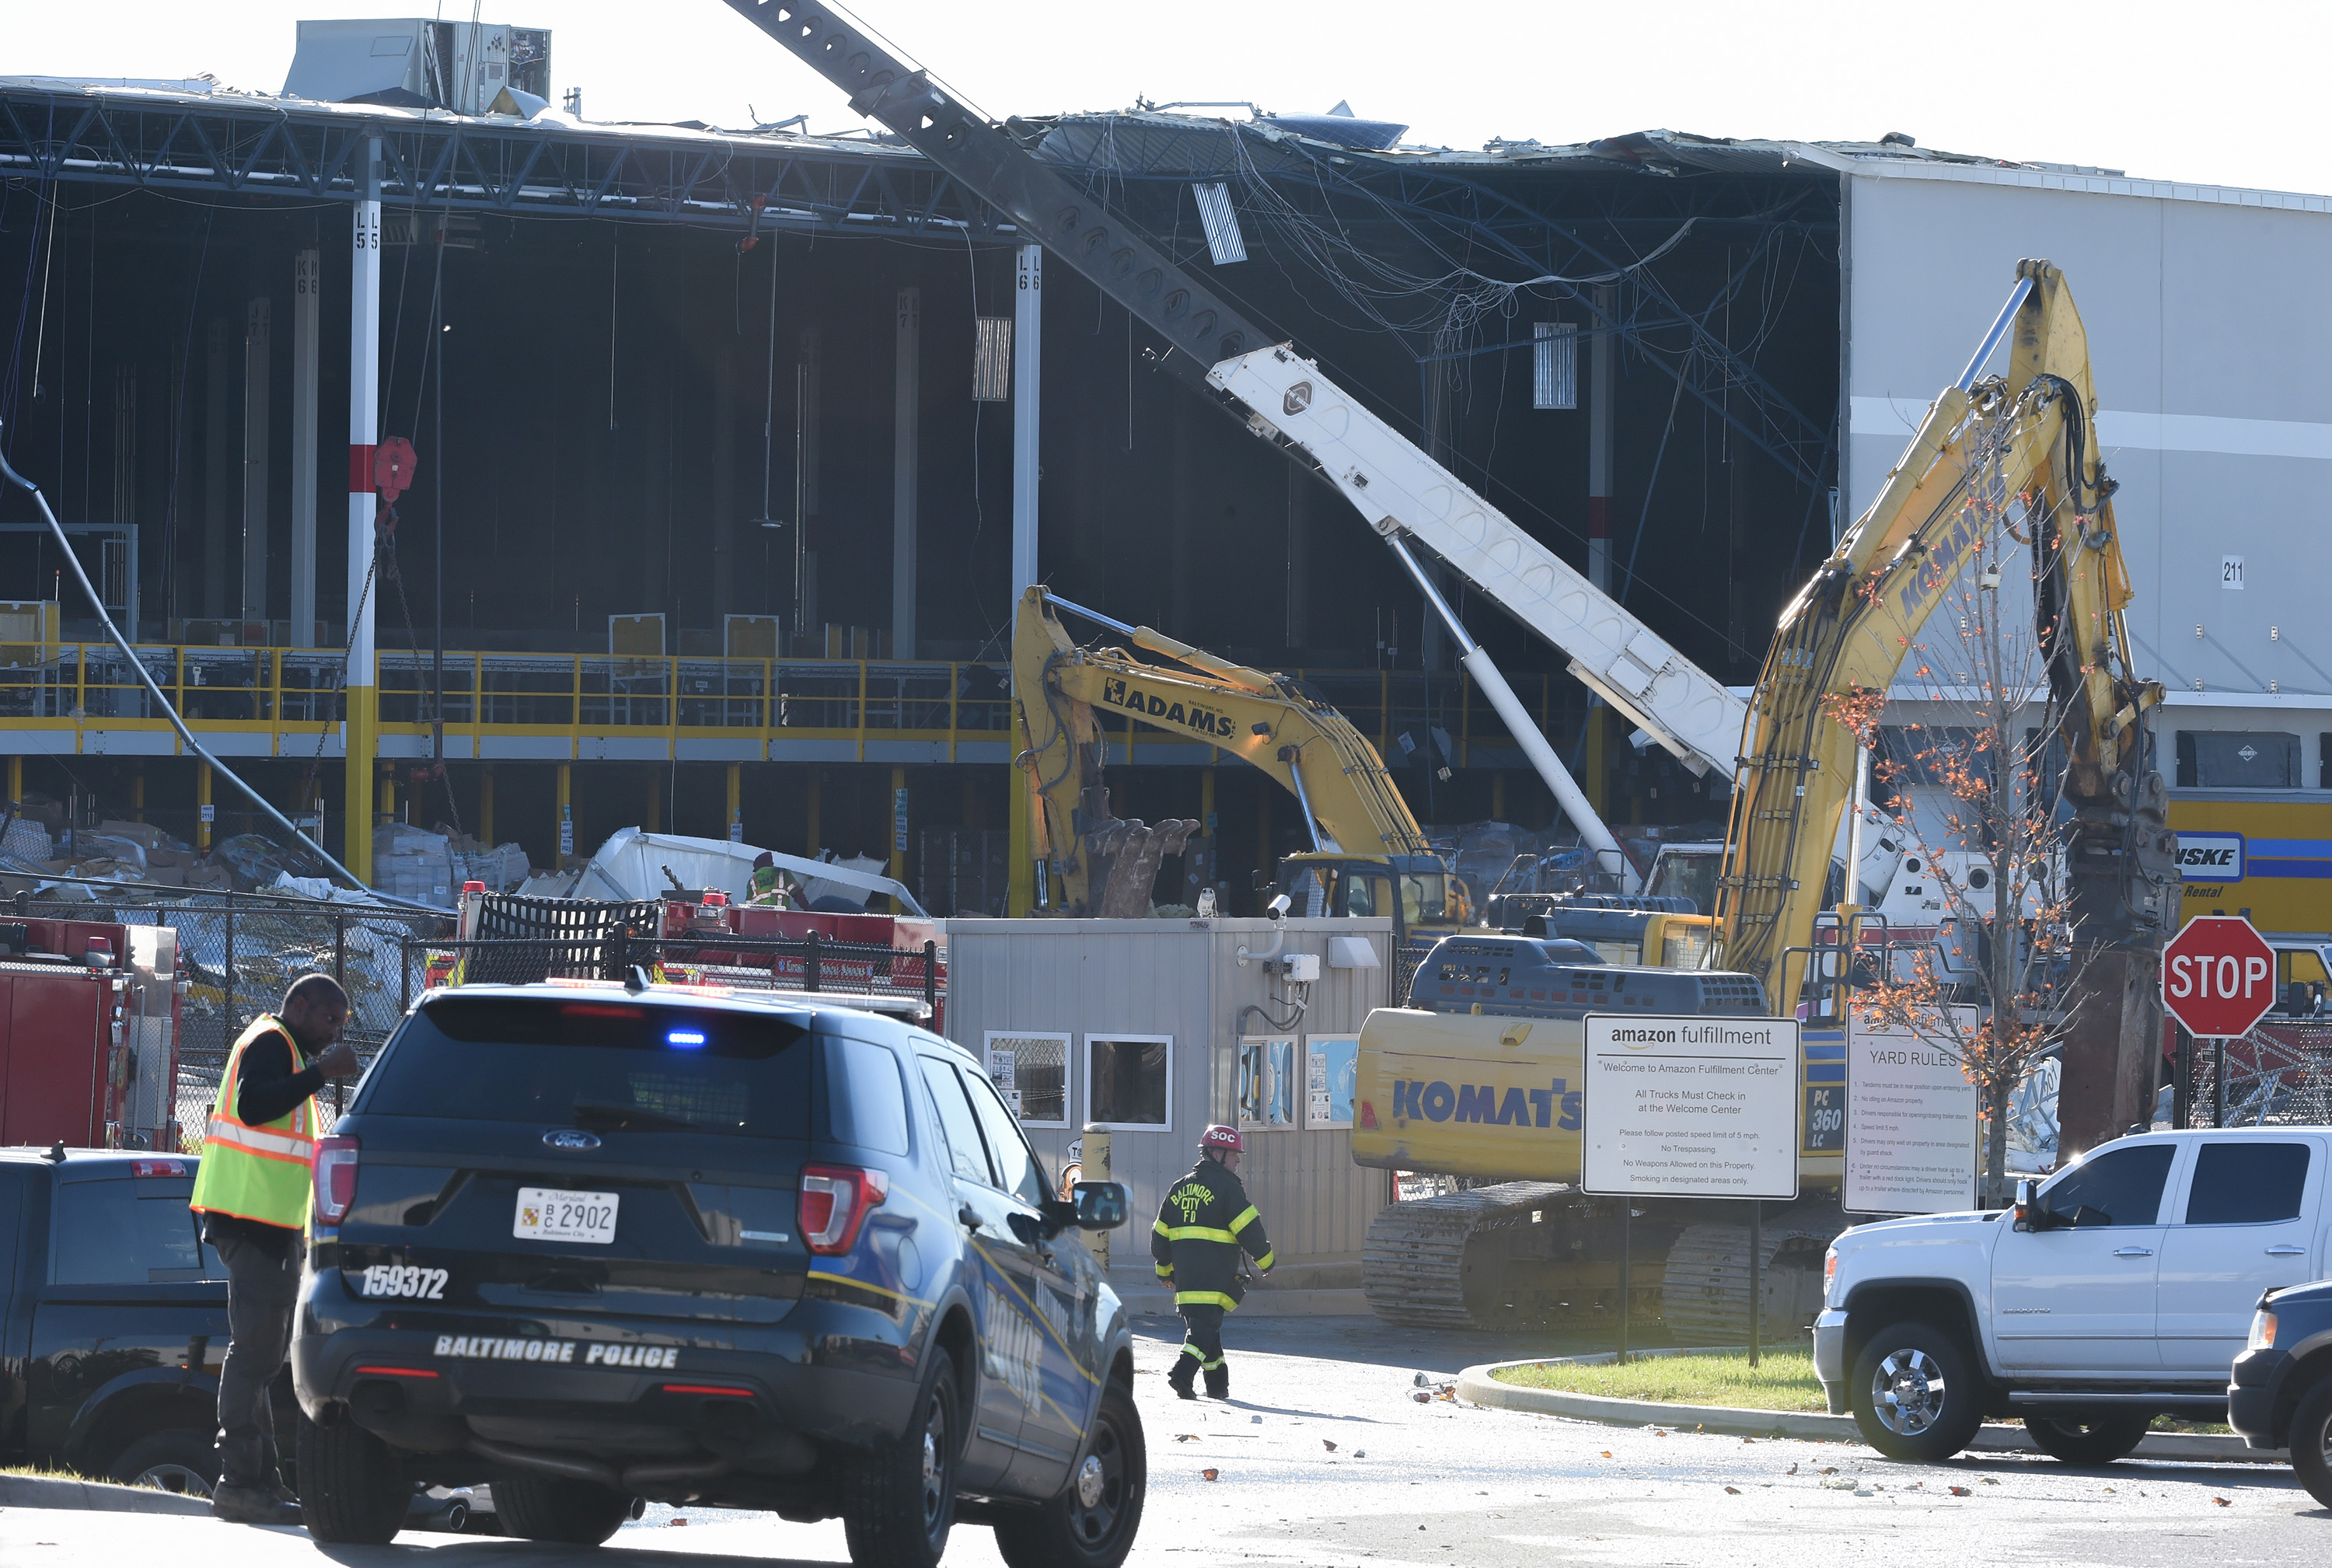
pixel 734 445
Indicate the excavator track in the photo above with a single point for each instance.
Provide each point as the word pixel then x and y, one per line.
pixel 1415 1268
pixel 1705 1295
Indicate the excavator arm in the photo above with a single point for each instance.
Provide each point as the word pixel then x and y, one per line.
pixel 1104 864
pixel 2032 433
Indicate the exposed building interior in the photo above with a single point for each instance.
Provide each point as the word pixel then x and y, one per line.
pixel 751 382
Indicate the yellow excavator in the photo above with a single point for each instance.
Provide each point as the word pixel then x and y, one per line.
pixel 1529 1245
pixel 1368 855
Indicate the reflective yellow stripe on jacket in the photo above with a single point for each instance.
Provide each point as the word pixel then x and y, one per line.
pixel 256 1172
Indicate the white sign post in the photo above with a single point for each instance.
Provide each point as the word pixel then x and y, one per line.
pixel 1691 1107
pixel 1911 1120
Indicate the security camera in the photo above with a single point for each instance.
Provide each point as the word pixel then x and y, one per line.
pixel 1280 906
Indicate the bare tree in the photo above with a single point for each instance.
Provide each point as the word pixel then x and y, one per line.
pixel 1976 785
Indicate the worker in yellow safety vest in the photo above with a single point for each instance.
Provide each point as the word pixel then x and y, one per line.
pixel 253 1192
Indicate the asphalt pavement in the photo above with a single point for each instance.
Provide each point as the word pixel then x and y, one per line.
pixel 1323 1457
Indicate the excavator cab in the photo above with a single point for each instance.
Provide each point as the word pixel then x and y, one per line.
pixel 1415 892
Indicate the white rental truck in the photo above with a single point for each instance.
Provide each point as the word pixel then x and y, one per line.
pixel 2118 1290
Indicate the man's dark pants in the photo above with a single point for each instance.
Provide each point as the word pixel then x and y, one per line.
pixel 260 1293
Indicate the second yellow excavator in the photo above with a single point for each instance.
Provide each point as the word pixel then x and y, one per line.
pixel 1368 855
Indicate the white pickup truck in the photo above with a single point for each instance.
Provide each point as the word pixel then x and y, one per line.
pixel 2120 1289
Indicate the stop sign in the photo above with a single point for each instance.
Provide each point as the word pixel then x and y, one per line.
pixel 2218 976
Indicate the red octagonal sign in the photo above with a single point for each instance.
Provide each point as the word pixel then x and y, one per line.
pixel 2218 976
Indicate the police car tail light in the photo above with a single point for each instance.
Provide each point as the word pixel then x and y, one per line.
pixel 834 1200
pixel 335 1179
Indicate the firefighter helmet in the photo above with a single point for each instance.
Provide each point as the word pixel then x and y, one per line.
pixel 1221 1138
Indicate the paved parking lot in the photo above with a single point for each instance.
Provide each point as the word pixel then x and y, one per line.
pixel 1324 1458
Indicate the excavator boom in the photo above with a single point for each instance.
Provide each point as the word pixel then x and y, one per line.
pixel 1850 628
pixel 1105 864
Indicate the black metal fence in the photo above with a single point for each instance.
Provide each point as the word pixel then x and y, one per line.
pixel 812 963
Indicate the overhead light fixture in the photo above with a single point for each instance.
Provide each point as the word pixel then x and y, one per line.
pixel 1555 365
pixel 1225 244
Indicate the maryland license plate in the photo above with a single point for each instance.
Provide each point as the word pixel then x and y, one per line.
pixel 554 1214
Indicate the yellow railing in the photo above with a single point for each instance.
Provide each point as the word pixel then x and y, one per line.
pixel 286 702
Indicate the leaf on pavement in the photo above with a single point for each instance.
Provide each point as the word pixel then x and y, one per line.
pixel 2222 1502
pixel 1209 1474
pixel 1960 1492
pixel 1329 1444
pixel 1734 1491
pixel 1186 1436
pixel 1790 1471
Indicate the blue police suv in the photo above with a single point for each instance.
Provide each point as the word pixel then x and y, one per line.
pixel 598 1245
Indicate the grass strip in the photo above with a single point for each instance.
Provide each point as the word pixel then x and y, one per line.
pixel 1782 1380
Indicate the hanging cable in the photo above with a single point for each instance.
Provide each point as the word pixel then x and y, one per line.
pixel 146 677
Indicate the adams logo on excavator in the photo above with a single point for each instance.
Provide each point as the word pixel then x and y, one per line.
pixel 1117 693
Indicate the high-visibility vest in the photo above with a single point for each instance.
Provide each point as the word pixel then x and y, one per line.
pixel 256 1172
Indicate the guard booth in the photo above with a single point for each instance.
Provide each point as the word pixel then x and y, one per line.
pixel 1153 1028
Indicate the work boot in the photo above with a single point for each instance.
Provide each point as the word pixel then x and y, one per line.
pixel 1219 1382
pixel 251 1505
pixel 1185 1373
pixel 271 1474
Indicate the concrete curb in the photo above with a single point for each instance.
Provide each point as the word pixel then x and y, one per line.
pixel 66 1492
pixel 1475 1384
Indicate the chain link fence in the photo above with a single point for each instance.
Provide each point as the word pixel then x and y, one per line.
pixel 2277 1075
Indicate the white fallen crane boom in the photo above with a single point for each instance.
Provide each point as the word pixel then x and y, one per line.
pixel 1401 489
pixel 1398 488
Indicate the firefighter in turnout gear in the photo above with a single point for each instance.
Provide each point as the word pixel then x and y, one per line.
pixel 1203 1226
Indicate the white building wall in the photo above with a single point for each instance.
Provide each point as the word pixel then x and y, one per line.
pixel 2210 332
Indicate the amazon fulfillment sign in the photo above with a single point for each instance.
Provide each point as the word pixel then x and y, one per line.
pixel 1690 1107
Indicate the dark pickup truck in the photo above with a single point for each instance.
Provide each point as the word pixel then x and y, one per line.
pixel 112 1319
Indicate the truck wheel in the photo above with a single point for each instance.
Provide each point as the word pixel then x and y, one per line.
pixel 1915 1394
pixel 2311 1441
pixel 558 1508
pixel 180 1459
pixel 899 1504
pixel 2087 1442
pixel 1090 1525
pixel 352 1488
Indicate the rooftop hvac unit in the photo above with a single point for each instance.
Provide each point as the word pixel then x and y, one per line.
pixel 483 67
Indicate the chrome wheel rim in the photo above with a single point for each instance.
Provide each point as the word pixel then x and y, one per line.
pixel 169 1478
pixel 935 1464
pixel 1908 1392
pixel 1101 1487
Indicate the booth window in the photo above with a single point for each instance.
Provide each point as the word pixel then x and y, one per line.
pixel 1031 1072
pixel 1127 1080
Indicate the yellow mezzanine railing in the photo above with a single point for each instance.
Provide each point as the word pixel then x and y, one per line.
pixel 83 698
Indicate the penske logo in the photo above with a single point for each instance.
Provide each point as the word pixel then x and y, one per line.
pixel 2211 857
pixel 1118 693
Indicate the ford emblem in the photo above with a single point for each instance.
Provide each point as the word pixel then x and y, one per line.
pixel 570 1138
